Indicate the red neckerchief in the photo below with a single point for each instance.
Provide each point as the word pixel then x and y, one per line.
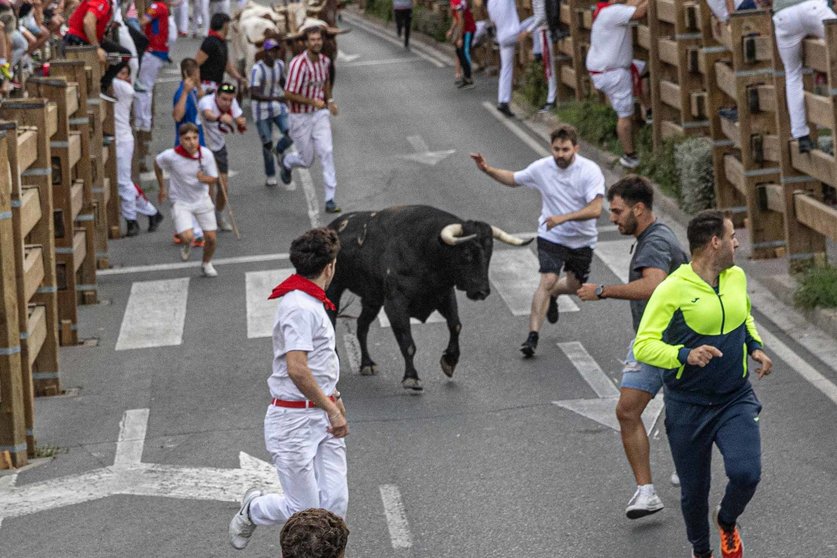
pixel 216 34
pixel 180 150
pixel 599 7
pixel 299 283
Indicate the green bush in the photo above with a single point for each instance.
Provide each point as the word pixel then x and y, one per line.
pixel 595 122
pixel 534 87
pixel 693 159
pixel 659 164
pixel 818 288
pixel 379 8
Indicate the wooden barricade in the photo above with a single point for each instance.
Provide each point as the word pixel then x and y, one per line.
pixel 677 96
pixel 69 198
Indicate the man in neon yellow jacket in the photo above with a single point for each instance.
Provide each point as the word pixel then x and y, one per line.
pixel 698 327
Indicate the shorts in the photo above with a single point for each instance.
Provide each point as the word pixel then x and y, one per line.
pixel 641 376
pixel 552 258
pixel 618 85
pixel 221 160
pixel 182 214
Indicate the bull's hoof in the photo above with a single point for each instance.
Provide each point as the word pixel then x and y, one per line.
pixel 447 367
pixel 412 383
pixel 369 370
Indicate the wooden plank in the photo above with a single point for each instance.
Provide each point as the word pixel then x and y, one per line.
pixel 30 210
pixel 79 248
pixel 27 149
pixel 568 76
pixel 74 150
pixel 816 215
pixel 670 129
pixel 51 119
pixel 670 95
pixel 767 98
pixel 72 98
pixel 105 155
pixel 643 36
pixel 76 198
pixel 697 100
pixel 771 147
pixel 815 54
pixel 816 163
pixel 775 196
pixel 105 189
pixel 33 271
pixel 734 171
pixel 667 11
pixel 819 109
pixel 668 51
pixel 732 131
pixel 725 77
pixel 36 329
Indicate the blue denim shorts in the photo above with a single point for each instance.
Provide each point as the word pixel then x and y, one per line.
pixel 641 376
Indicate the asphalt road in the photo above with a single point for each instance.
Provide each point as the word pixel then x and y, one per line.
pixel 481 465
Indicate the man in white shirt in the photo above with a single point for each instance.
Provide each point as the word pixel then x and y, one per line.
pixel 610 61
pixel 572 188
pixel 306 421
pixel 191 171
pixel 221 115
pixel 269 109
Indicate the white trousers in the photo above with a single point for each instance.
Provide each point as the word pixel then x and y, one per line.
pixel 792 25
pixel 310 462
pixel 132 201
pixel 208 9
pixel 542 44
pixel 311 132
pixel 142 101
pixel 181 14
pixel 504 86
pixel 127 42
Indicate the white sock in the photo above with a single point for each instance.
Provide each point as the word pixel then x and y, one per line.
pixel 646 488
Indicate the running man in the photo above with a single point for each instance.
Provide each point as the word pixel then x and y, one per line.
pixel 191 171
pixel 572 189
pixel 269 108
pixel 656 253
pixel 461 33
pixel 306 420
pixel 699 329
pixel 308 89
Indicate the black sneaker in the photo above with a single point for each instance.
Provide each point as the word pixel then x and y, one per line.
pixel 805 144
pixel 466 84
pixel 504 108
pixel 331 207
pixel 528 347
pixel 154 221
pixel 285 172
pixel 729 113
pixel 547 107
pixel 552 310
pixel 133 227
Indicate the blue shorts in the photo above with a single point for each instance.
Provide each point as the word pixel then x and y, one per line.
pixel 641 376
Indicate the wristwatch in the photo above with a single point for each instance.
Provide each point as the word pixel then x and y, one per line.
pixel 600 292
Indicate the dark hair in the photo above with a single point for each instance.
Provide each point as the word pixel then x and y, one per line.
pixel 216 23
pixel 314 250
pixel 312 30
pixel 633 189
pixel 564 132
pixel 187 127
pixel 703 227
pixel 314 533
pixel 187 66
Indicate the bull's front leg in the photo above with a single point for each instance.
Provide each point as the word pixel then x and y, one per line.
pixel 399 318
pixel 367 316
pixel 448 309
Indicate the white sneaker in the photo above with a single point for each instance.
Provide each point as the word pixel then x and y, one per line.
pixel 208 270
pixel 271 182
pixel 629 161
pixel 185 251
pixel 643 503
pixel 223 225
pixel 241 527
pixel 675 479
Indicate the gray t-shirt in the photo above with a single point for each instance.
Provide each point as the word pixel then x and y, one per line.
pixel 656 247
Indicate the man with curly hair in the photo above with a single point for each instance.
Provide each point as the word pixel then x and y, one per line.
pixel 314 533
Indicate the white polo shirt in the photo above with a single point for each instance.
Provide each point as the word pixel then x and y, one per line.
pixel 564 191
pixel 212 134
pixel 611 39
pixel 302 324
pixel 506 21
pixel 185 188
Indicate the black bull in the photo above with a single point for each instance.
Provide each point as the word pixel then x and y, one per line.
pixel 409 259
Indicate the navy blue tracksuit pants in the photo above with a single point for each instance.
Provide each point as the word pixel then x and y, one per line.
pixel 692 430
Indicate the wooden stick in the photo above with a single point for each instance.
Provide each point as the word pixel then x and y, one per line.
pixel 223 190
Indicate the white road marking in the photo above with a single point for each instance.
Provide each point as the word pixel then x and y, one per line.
pixel 155 314
pixel 188 265
pixel 589 369
pixel 7 482
pixel 514 273
pixel 344 57
pixel 536 146
pixel 310 196
pixel 773 345
pixel 423 154
pixel 399 529
pixel 260 310
pixel 129 476
pixel 382 62
pixel 415 49
pixel 434 318
pixel 352 351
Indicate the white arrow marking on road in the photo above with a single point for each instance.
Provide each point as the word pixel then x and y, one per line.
pixel 128 475
pixel 423 154
pixel 603 409
pixel 342 56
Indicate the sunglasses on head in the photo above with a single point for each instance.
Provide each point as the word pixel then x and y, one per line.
pixel 227 88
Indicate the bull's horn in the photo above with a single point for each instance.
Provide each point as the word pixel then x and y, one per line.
pixel 503 236
pixel 452 235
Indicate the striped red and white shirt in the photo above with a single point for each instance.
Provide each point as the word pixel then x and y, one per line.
pixel 308 79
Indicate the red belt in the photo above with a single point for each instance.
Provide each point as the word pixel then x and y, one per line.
pixel 304 404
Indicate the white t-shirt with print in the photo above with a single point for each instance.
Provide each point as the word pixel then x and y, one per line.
pixel 302 324
pixel 565 191
pixel 611 39
pixel 212 134
pixel 184 186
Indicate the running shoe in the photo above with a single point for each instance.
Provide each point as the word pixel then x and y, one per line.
pixel 6 70
pixel 675 479
pixel 528 347
pixel 547 107
pixel 285 172
pixel 731 545
pixel 504 108
pixel 185 252
pixel 629 161
pixel 208 270
pixel 154 221
pixel 331 207
pixel 271 182
pixel 241 526
pixel 466 84
pixel 643 503
pixel 198 242
pixel 552 310
pixel 805 144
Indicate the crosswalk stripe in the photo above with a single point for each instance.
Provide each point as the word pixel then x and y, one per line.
pixel 514 273
pixel 260 310
pixel 616 254
pixel 399 528
pixel 155 314
pixel 589 369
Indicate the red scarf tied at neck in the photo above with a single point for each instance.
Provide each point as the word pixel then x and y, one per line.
pixel 180 150
pixel 299 283
pixel 599 7
pixel 216 34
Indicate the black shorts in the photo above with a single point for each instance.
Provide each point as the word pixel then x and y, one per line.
pixel 221 160
pixel 553 258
